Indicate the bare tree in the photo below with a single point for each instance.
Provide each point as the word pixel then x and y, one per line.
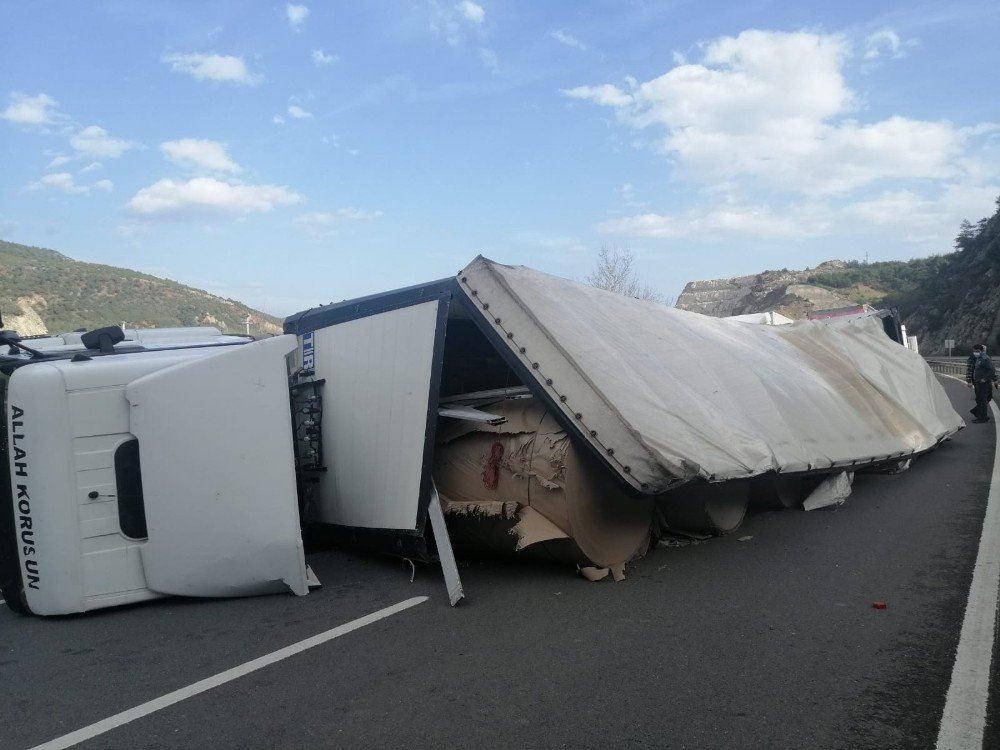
pixel 616 272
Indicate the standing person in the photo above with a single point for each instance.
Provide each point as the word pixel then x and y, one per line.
pixel 970 365
pixel 984 380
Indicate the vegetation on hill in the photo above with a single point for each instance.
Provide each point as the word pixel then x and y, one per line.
pixel 67 294
pixel 890 277
pixel 962 300
pixel 954 296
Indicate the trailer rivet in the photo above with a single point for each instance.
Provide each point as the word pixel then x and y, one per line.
pixel 548 381
pixel 510 334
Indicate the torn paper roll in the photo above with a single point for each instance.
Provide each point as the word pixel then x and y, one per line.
pixel 543 497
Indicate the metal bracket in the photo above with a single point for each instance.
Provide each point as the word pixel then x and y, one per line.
pixel 447 556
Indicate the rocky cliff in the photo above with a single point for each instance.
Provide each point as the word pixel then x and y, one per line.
pixel 784 291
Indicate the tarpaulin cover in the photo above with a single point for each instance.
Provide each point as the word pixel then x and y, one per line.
pixel 666 396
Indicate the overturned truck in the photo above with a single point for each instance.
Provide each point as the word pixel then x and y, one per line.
pixel 504 410
pixel 564 421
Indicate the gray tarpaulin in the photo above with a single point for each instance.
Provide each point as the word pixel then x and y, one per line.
pixel 667 396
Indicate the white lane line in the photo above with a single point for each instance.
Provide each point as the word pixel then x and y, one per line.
pixel 964 718
pixel 208 683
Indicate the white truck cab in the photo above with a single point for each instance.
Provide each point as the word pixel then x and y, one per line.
pixel 104 501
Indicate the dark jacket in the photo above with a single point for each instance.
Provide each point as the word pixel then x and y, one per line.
pixel 984 371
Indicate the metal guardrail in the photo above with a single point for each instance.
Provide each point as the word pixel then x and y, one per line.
pixel 948 368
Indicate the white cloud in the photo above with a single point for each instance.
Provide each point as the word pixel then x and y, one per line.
pixel 95 141
pixel 563 38
pixel 886 43
pixel 471 12
pixel 489 59
pixel 929 217
pixel 30 110
pixel 773 108
pixel 605 95
pixel 453 22
pixel 297 15
pixel 716 223
pixel 920 218
pixel 212 67
pixel 320 58
pixel 64 182
pixel 200 155
pixel 59 160
pixel 207 197
pixel 297 113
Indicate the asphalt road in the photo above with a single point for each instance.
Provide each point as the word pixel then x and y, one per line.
pixel 767 642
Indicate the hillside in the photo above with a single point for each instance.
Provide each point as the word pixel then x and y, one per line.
pixel 960 297
pixel 782 291
pixel 42 291
pixel 955 295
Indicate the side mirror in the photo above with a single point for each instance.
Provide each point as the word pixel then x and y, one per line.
pixel 103 339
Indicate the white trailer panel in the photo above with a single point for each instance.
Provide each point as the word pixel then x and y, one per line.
pixel 378 372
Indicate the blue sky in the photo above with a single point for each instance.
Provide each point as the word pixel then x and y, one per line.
pixel 289 155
